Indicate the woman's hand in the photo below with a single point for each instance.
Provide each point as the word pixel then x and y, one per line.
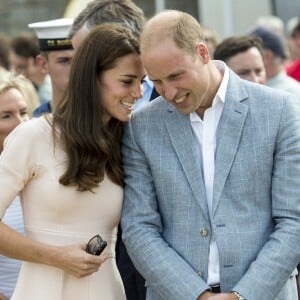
pixel 2 297
pixel 72 259
pixel 76 261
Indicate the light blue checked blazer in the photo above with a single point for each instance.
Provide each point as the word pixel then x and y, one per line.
pixel 256 199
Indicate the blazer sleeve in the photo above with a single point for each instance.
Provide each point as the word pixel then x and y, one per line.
pixel 280 255
pixel 163 268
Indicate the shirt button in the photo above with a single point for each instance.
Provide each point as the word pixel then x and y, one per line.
pixel 200 274
pixel 203 232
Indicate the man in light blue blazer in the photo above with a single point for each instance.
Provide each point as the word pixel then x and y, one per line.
pixel 212 176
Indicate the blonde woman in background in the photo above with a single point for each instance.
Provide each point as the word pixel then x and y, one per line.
pixel 13 111
pixel 26 87
pixel 31 95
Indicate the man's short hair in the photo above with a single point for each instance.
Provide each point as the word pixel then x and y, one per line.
pixel 123 12
pixel 236 44
pixel 25 45
pixel 4 50
pixel 296 30
pixel 182 28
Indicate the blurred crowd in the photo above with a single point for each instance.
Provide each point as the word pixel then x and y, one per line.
pixel 31 83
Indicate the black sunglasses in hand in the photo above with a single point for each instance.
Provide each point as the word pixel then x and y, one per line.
pixel 96 245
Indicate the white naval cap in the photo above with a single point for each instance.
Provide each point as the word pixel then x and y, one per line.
pixel 53 34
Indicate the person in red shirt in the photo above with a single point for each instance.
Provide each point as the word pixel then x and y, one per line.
pixel 293 68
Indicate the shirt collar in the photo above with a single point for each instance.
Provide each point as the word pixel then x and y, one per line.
pixel 220 95
pixel 223 69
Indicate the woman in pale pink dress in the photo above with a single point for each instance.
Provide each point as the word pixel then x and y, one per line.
pixel 67 170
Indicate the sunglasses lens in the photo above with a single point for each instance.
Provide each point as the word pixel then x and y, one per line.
pixel 93 245
pixel 96 245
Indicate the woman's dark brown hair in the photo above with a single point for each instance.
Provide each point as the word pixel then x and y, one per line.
pixel 92 145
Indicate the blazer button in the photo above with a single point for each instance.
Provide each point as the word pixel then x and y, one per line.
pixel 203 232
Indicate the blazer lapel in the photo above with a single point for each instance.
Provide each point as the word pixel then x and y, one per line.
pixel 228 138
pixel 183 140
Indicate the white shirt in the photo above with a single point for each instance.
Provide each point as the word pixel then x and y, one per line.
pixel 205 132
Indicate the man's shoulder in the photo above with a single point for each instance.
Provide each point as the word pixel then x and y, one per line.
pixel 260 92
pixel 156 107
pixel 260 99
pixel 151 116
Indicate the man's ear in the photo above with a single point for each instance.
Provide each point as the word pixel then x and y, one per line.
pixel 202 52
pixel 268 56
pixel 42 63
